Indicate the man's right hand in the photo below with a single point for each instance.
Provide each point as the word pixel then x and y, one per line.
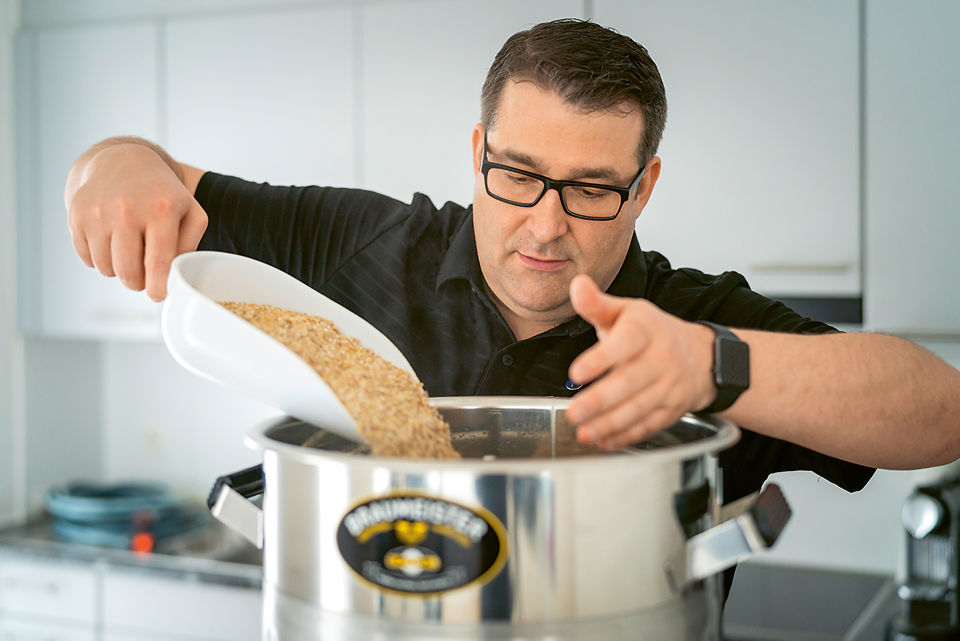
pixel 130 213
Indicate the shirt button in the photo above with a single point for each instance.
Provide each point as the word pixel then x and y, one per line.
pixel 507 360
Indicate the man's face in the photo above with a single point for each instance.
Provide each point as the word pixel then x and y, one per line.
pixel 529 255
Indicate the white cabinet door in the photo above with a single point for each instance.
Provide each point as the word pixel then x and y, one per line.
pixel 423 66
pixel 267 96
pixel 912 185
pixel 140 605
pixel 14 629
pixel 60 593
pixel 761 148
pixel 78 85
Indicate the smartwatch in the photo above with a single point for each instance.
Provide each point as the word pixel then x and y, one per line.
pixel 731 368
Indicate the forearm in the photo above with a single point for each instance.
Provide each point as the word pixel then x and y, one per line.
pixel 867 398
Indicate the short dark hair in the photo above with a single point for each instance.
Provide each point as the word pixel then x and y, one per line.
pixel 590 66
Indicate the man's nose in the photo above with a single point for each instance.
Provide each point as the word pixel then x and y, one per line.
pixel 547 220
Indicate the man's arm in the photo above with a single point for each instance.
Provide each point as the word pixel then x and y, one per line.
pixel 131 211
pixel 866 398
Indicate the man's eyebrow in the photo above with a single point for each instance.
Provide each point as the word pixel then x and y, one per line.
pixel 607 175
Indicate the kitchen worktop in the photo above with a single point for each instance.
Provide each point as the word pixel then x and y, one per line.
pixel 788 603
pixel 213 555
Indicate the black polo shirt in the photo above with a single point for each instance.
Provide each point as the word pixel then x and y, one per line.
pixel 412 271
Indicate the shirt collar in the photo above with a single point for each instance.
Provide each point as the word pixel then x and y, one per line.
pixel 461 262
pixel 631 280
pixel 460 259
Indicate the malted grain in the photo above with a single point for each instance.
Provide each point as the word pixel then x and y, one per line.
pixel 389 406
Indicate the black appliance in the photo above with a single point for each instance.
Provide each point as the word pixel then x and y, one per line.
pixel 931 518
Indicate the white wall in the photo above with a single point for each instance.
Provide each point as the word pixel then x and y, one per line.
pixel 11 433
pixel 62 415
pixel 159 420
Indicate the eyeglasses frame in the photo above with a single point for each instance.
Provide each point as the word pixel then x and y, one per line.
pixel 549 183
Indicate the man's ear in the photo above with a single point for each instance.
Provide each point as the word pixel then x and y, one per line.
pixel 477 147
pixel 645 189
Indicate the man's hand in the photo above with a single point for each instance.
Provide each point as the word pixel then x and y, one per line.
pixel 130 214
pixel 648 368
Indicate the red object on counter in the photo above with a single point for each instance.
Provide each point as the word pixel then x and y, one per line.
pixel 142 542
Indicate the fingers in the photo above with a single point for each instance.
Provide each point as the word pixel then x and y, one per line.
pixel 603 312
pixel 616 387
pixel 192 228
pixel 626 410
pixel 640 429
pixel 161 242
pixel 130 215
pixel 595 307
pixel 126 247
pixel 645 371
pixel 80 246
pixel 142 259
pixel 621 344
pixel 100 253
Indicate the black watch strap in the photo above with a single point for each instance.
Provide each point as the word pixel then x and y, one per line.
pixel 731 367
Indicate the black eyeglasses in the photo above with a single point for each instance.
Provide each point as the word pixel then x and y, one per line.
pixel 522 188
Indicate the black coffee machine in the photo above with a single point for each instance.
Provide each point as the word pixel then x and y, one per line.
pixel 931 612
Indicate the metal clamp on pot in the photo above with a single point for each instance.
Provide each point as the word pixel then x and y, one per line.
pixel 737 537
pixel 229 502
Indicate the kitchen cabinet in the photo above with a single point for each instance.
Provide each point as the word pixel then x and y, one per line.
pixel 143 606
pixel 27 630
pixel 74 87
pixel 61 600
pixel 47 600
pixel 761 148
pixel 912 132
pixel 761 151
pixel 423 66
pixel 265 95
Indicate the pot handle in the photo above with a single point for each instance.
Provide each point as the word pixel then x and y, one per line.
pixel 726 544
pixel 229 503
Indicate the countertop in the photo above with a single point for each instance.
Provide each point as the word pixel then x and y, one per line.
pixel 788 603
pixel 767 602
pixel 213 554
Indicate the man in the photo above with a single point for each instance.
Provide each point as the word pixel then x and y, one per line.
pixel 540 287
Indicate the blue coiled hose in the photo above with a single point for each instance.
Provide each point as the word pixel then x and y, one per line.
pixel 111 514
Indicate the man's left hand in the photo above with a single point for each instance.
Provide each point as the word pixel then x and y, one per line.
pixel 647 369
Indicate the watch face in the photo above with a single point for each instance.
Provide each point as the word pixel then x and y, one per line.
pixel 733 364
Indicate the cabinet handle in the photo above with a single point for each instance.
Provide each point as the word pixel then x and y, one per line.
pixel 802 268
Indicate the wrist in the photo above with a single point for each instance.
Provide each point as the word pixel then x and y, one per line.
pixel 730 369
pixel 125 145
pixel 706 383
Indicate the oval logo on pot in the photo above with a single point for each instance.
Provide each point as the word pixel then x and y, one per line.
pixel 415 544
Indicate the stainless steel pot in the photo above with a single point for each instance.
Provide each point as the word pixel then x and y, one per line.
pixel 529 536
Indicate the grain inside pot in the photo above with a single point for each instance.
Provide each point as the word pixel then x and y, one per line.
pixel 389 406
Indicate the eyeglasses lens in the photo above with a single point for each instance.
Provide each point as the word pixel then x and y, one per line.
pixel 592 202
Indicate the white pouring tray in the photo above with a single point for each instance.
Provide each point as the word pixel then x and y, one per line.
pixel 215 343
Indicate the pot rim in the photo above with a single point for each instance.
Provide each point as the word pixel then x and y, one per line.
pixel 727 435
